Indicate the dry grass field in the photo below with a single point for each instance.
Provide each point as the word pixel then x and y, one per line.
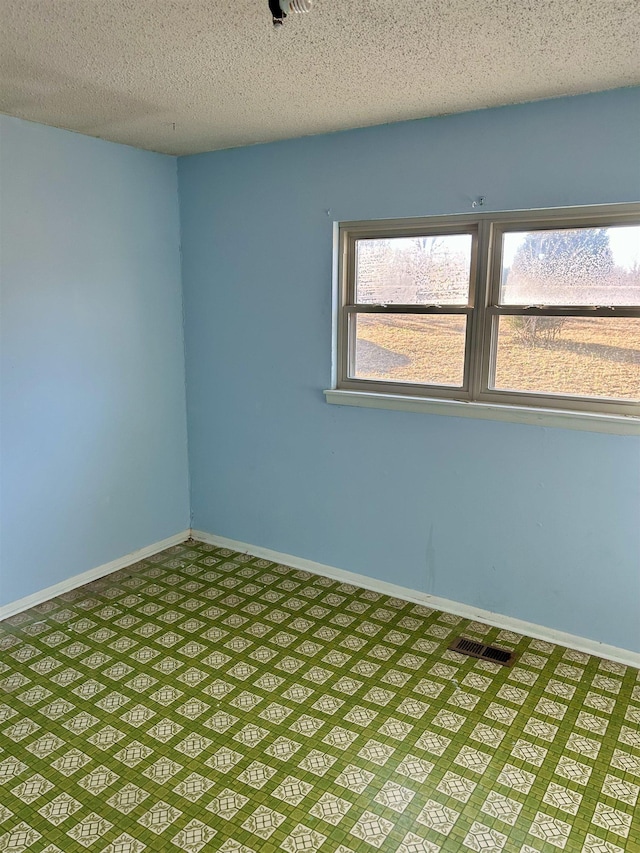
pixel 596 357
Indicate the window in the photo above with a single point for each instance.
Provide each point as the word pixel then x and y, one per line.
pixel 538 310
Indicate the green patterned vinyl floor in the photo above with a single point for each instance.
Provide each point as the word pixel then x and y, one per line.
pixel 204 700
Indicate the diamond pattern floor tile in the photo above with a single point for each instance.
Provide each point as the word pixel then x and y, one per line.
pixel 204 700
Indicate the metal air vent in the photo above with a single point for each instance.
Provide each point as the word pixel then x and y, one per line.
pixel 465 646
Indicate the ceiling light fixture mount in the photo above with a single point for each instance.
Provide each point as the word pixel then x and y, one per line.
pixel 281 8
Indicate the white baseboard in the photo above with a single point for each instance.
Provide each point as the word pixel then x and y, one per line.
pixel 498 620
pixel 90 575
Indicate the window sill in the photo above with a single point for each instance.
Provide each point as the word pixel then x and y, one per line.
pixel 591 422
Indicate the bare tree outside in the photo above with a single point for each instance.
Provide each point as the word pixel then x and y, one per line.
pixel 410 270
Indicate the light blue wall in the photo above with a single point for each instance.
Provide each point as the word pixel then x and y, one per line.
pixel 93 430
pixel 541 524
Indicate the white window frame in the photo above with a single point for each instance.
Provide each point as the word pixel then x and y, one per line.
pixel 476 398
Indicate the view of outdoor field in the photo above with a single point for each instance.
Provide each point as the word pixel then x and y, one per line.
pixel 586 356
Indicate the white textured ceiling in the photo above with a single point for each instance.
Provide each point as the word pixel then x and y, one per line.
pixel 129 70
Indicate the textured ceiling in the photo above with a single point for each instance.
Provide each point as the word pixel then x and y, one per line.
pixel 183 76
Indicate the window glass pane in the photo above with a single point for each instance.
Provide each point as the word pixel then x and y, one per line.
pixel 419 348
pixel 591 357
pixel 414 270
pixel 571 266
